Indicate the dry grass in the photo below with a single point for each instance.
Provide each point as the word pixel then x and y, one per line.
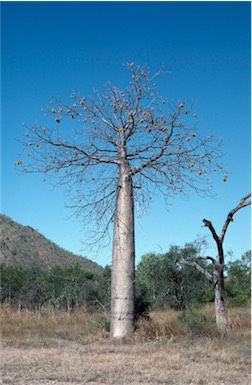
pixel 30 329
pixel 60 349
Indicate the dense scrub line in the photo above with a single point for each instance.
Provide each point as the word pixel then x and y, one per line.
pixel 64 289
pixel 161 283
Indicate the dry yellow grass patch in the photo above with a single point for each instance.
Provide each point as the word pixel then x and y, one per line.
pixel 62 349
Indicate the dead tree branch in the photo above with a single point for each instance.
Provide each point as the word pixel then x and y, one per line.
pixel 198 267
pixel 243 203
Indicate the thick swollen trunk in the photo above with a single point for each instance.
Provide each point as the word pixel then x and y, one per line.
pixel 220 311
pixel 123 263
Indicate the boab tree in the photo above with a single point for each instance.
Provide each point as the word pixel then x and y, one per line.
pixel 124 145
pixel 217 277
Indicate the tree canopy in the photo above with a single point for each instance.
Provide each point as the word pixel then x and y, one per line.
pixel 82 148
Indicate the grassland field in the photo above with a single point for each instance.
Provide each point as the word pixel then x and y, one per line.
pixel 46 348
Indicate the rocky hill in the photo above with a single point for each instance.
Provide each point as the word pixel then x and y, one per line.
pixel 23 246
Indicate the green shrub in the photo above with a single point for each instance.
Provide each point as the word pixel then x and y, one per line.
pixel 142 302
pixel 103 324
pixel 196 321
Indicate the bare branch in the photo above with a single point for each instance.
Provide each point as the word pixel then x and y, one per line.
pixel 208 259
pixel 199 268
pixel 159 142
pixel 243 203
pixel 219 239
pixel 215 237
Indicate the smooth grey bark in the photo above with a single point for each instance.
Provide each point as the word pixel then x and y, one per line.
pixel 123 263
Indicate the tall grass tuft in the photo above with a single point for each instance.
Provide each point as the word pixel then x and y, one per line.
pixel 49 328
pixel 161 325
pixel 39 328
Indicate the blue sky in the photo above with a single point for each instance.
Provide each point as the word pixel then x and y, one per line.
pixel 52 48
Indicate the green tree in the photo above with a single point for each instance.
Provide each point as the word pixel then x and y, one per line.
pixel 36 291
pixel 238 282
pixel 24 287
pixel 64 288
pixel 68 286
pixel 165 283
pixel 103 300
pixel 196 290
pixel 172 288
pixel 11 281
pixel 148 276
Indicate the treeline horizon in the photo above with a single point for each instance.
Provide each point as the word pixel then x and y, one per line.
pixel 161 283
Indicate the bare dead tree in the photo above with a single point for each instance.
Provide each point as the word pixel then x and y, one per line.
pixel 124 145
pixel 217 278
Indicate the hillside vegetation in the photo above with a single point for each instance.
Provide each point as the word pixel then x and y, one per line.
pixel 26 247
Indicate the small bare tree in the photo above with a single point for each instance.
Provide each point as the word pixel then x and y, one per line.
pixel 124 145
pixel 217 277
